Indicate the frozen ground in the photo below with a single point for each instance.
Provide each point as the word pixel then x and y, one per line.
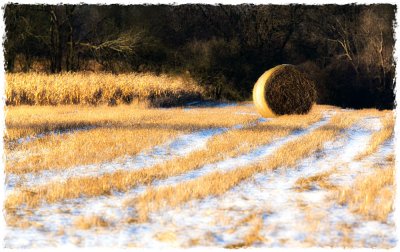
pixel 208 104
pixel 181 146
pixel 288 217
pixel 242 160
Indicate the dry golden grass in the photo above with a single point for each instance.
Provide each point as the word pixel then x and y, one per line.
pixel 119 131
pixel 253 236
pixel 231 144
pixel 94 146
pixel 22 121
pixel 312 218
pixel 347 231
pixel 17 221
pixel 218 183
pixel 88 222
pixel 126 130
pixel 321 180
pixel 379 137
pixel 371 196
pixel 97 88
pixel 315 217
pixel 167 236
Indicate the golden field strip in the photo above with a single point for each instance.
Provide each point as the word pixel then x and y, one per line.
pixel 118 131
pixel 232 143
pixel 217 183
pixel 97 88
pixel 380 137
pixel 372 196
pixel 97 134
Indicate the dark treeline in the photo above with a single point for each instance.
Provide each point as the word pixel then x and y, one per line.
pixel 346 49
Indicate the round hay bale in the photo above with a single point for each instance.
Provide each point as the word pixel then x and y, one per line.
pixel 283 90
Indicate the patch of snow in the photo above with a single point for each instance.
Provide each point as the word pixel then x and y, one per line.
pixel 197 104
pixel 242 160
pixel 262 119
pixel 111 207
pixel 246 113
pixel 272 194
pixel 181 146
pixel 348 172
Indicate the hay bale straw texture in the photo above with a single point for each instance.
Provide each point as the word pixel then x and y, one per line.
pixel 283 90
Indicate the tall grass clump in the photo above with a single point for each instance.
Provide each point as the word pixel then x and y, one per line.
pixel 100 88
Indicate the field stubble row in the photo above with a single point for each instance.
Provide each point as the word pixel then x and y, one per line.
pixel 229 144
pixel 218 183
pixel 115 132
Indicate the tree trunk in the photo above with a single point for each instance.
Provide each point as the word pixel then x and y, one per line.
pixel 56 45
pixel 70 65
pixel 70 52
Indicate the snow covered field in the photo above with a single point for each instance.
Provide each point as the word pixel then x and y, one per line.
pixel 288 206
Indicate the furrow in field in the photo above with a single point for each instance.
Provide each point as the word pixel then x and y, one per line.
pixel 345 174
pixel 207 220
pixel 379 137
pixel 217 183
pixel 242 160
pixel 118 132
pixel 230 144
pixel 15 156
pixel 56 153
pixel 347 222
pixel 181 146
pixel 273 196
pixel 370 196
